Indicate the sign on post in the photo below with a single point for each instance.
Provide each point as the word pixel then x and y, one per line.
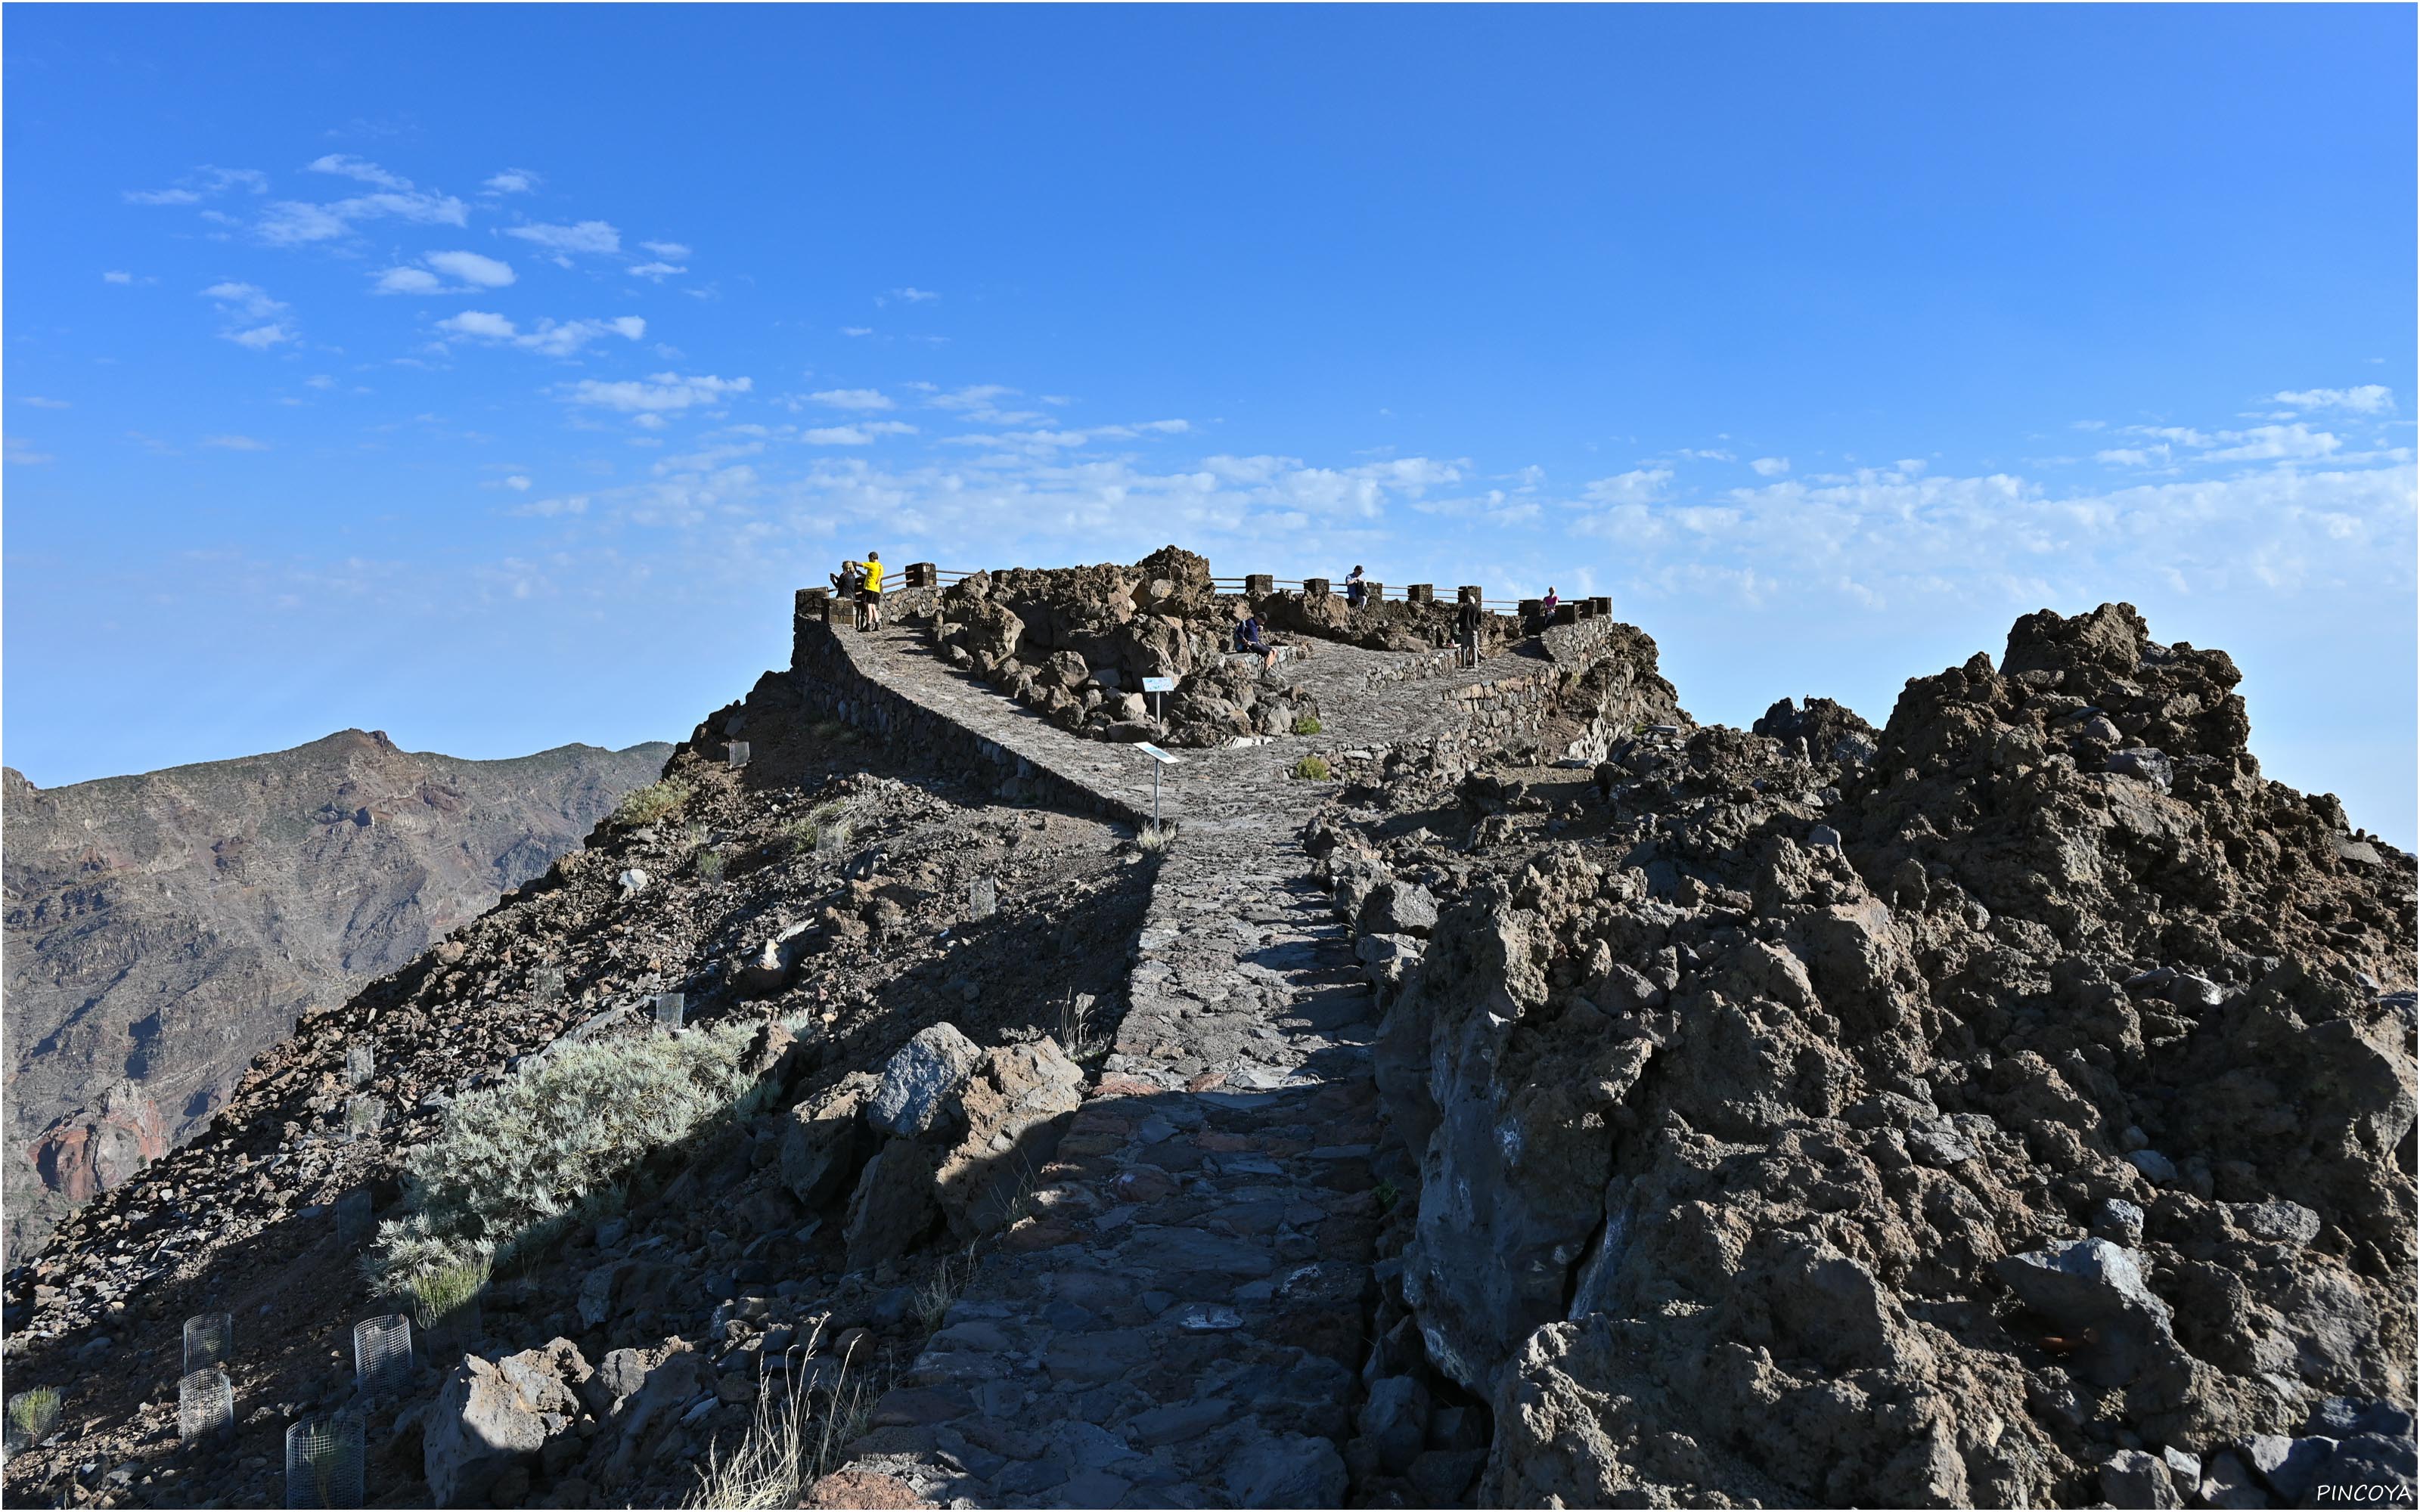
pixel 1158 759
pixel 1158 688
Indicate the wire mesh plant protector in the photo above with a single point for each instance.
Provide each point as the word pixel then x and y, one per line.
pixel 983 898
pixel 323 1461
pixel 32 1414
pixel 210 1340
pixel 670 1008
pixel 353 1217
pixel 739 754
pixel 205 1405
pixel 382 1353
pixel 364 1117
pixel 546 985
pixel 360 1063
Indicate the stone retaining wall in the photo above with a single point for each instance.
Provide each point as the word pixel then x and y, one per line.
pixel 829 684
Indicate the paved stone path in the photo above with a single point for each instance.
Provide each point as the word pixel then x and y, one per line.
pixel 1181 1324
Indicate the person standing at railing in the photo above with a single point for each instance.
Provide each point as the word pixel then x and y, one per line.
pixel 1354 590
pixel 870 594
pixel 1465 629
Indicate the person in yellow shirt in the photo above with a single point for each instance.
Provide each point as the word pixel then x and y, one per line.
pixel 871 594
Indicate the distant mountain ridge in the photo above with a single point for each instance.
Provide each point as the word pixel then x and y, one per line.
pixel 161 930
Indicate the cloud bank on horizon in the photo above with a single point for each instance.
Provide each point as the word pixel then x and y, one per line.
pixel 537 459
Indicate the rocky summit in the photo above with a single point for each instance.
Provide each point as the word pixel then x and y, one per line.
pixel 1446 1085
pixel 163 930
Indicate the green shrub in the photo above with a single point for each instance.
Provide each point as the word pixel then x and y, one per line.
pixel 646 805
pixel 709 865
pixel 35 1412
pixel 439 1294
pixel 1307 724
pixel 826 829
pixel 563 1140
pixel 1312 769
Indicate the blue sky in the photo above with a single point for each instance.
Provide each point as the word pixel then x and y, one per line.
pixel 489 375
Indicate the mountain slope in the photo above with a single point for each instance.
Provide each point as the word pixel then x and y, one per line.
pixel 164 929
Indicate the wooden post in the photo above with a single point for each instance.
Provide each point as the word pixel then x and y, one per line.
pixel 1314 588
pixel 1420 593
pixel 922 575
pixel 1603 606
pixel 1567 614
pixel 1260 585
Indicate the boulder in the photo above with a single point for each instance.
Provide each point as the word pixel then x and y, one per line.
pixel 821 1141
pixel 1398 908
pixel 644 1418
pixel 1063 670
pixel 918 1078
pixel 892 1208
pixel 2130 1478
pixel 489 1420
pixel 2093 1291
pixel 1288 1469
pixel 1011 1110
pixel 1394 1422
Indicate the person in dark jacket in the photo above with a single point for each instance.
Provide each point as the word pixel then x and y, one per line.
pixel 1354 590
pixel 1465 629
pixel 1250 642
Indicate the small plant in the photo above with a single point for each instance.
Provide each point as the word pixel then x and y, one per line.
pixel 1156 837
pixel 940 1289
pixel 1075 1025
pixel 1306 724
pixel 646 805
pixel 1388 1197
pixel 709 866
pixel 440 1294
pixel 34 1413
pixel 1312 769
pixel 825 830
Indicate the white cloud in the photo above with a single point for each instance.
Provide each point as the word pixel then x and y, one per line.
pixel 200 184
pixel 512 181
pixel 1639 486
pixel 235 443
pixel 2366 399
pixel 862 433
pixel 19 450
pixel 857 330
pixel 662 391
pixel 352 167
pixel 248 300
pixel 911 295
pixel 114 276
pixel 658 271
pixel 518 484
pixel 2134 456
pixel 319 381
pixel 854 399
pixel 547 508
pixel 2268 442
pixel 41 403
pixel 1770 467
pixel 163 196
pixel 409 280
pixel 1693 454
pixel 586 236
pixel 551 338
pixel 480 324
pixel 977 403
pixel 667 250
pixel 471 268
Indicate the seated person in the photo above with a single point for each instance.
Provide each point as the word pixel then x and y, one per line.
pixel 1354 591
pixel 1250 642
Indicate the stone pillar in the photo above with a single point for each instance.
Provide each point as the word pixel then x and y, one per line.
pixel 1260 585
pixel 816 604
pixel 1314 588
pixel 922 574
pixel 1530 607
pixel 1376 591
pixel 1420 593
pixel 1470 592
pixel 1603 606
pixel 1567 614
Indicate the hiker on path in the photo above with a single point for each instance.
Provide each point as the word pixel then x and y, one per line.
pixel 1465 629
pixel 870 594
pixel 1354 590
pixel 1547 605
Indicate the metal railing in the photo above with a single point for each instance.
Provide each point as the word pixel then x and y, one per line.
pixel 1378 592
